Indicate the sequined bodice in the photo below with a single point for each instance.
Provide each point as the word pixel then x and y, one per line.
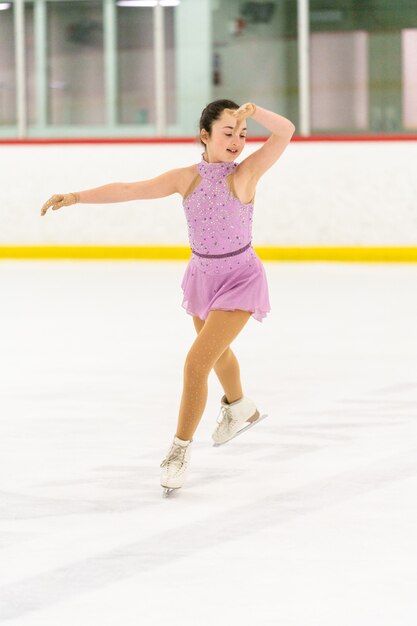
pixel 218 222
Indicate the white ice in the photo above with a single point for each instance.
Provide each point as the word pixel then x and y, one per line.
pixel 308 519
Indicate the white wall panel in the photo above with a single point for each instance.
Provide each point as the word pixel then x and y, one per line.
pixel 318 193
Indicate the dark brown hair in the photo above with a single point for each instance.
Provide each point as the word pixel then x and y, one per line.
pixel 212 112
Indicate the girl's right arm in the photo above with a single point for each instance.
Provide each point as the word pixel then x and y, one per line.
pixel 159 187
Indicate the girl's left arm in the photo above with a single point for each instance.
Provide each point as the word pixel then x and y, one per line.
pixel 282 130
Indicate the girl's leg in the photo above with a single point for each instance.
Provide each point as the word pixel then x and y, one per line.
pixel 226 368
pixel 219 330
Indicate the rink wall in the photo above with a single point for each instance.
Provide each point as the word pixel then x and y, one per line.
pixel 346 200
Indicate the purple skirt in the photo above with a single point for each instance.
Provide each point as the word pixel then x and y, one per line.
pixel 244 288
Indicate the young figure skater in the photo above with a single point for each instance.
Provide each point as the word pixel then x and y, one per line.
pixel 224 283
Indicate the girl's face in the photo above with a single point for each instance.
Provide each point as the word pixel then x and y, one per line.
pixel 227 139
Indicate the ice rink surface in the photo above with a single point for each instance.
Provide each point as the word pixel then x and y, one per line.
pixel 308 519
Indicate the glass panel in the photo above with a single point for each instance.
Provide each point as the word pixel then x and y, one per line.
pixel 357 63
pixel 170 65
pixel 254 54
pixel 136 65
pixel 7 66
pixel 339 81
pixel 362 60
pixel 75 63
pixel 30 64
pixel 409 56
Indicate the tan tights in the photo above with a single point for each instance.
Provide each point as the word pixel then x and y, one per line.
pixel 210 350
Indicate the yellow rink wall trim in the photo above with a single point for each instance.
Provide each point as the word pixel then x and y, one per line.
pixel 321 253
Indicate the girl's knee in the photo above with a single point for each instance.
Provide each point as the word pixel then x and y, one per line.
pixel 197 365
pixel 224 359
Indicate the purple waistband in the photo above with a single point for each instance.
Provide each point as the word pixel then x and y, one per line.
pixel 222 256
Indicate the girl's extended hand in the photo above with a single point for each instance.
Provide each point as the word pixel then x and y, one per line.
pixel 59 200
pixel 246 110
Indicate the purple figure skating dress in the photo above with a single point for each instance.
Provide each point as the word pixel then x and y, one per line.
pixel 224 271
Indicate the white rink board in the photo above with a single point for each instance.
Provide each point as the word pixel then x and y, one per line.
pixel 318 193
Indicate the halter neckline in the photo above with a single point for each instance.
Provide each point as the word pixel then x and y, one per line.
pixel 215 170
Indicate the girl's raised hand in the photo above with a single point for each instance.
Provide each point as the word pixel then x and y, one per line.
pixel 244 111
pixel 59 200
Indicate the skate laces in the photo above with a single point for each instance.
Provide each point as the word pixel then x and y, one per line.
pixel 176 455
pixel 227 416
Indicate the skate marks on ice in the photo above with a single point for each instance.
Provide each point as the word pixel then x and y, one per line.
pixel 283 442
pixel 44 590
pixel 398 388
pixel 101 490
pixel 128 488
pixel 121 488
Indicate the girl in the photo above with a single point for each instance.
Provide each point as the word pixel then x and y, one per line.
pixel 224 282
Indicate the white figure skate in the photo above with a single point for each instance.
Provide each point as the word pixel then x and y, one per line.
pixel 234 419
pixel 175 466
